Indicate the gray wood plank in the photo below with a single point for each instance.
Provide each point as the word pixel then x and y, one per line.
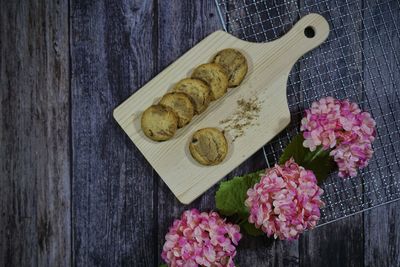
pixel 121 209
pixel 263 251
pixel 337 72
pixel 381 52
pixel 382 238
pixel 382 75
pixel 34 137
pixel 263 21
pixel 194 23
pixel 336 244
pixel 181 25
pixel 113 50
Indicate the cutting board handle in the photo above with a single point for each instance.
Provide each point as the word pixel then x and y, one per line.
pixel 308 33
pixel 276 58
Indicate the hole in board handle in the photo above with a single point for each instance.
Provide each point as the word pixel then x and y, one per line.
pixel 309 32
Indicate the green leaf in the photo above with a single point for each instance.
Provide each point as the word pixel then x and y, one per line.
pixel 163 265
pixel 322 166
pixel 295 149
pixel 231 194
pixel 319 161
pixel 250 229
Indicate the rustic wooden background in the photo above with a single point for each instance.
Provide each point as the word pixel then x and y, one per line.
pixel 73 189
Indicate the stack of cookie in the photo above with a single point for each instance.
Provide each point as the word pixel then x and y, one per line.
pixel 192 95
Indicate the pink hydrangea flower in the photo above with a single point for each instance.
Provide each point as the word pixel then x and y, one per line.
pixel 201 238
pixel 341 126
pixel 285 202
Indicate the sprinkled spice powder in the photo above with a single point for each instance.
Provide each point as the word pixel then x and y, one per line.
pixel 244 117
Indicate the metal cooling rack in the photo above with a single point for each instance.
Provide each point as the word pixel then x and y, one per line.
pixel 359 61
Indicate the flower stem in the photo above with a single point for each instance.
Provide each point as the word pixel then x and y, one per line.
pixel 310 157
pixel 242 221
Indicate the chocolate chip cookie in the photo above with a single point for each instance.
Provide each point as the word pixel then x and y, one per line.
pixel 234 63
pixel 181 104
pixel 197 90
pixel 208 146
pixel 159 122
pixel 215 76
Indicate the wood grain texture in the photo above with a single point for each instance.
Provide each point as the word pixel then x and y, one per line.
pixel 113 54
pixel 382 225
pixel 262 251
pixel 329 245
pixel 121 209
pixel 198 21
pixel 336 244
pixel 181 25
pixel 35 221
pixel 382 238
pixel 269 66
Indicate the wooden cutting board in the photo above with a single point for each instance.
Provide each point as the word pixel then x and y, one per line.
pixel 269 67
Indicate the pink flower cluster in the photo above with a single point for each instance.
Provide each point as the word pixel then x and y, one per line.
pixel 201 238
pixel 341 126
pixel 285 202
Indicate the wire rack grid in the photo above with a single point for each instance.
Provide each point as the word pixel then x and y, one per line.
pixel 359 61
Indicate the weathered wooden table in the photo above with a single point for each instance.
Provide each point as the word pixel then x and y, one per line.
pixel 74 190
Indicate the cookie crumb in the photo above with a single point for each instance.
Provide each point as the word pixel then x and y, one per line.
pixel 246 113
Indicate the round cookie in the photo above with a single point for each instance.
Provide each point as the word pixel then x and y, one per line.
pixel 181 104
pixel 215 76
pixel 159 123
pixel 208 146
pixel 197 90
pixel 234 63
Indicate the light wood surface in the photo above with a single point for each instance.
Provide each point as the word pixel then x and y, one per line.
pixel 269 67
